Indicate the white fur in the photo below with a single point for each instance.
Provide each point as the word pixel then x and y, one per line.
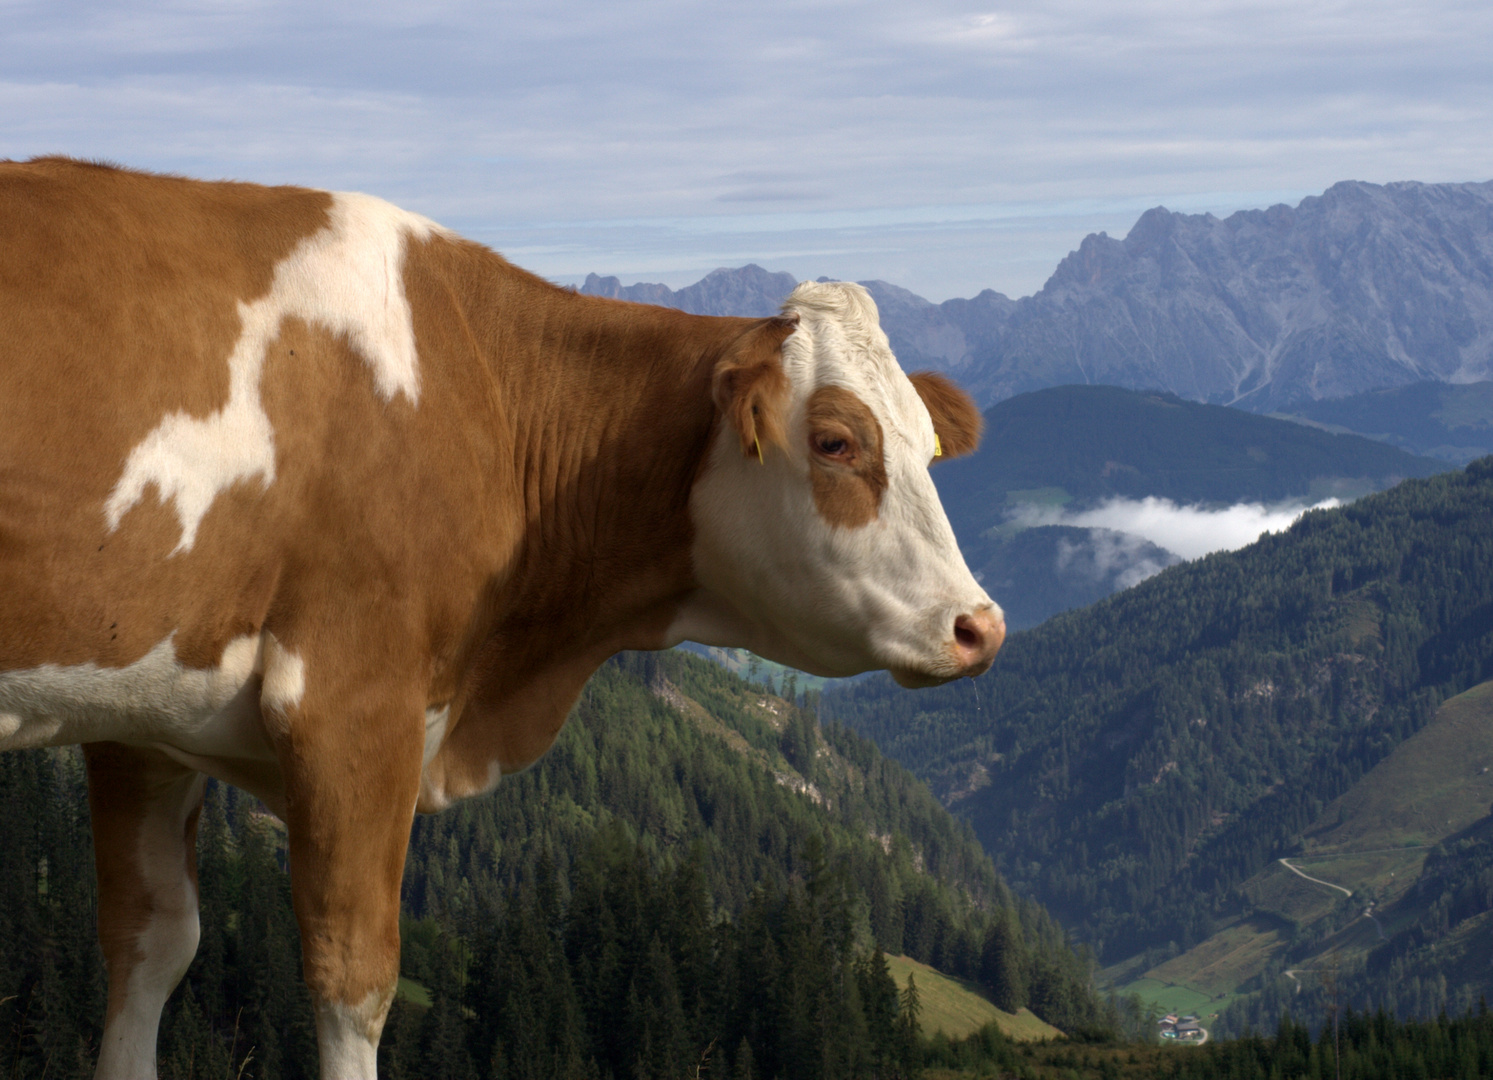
pixel 436 721
pixel 284 681
pixel 156 697
pixel 347 1036
pixel 347 278
pixel 208 719
pixel 168 942
pixel 779 579
pixel 433 795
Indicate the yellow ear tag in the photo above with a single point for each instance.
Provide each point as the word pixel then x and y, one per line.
pixel 937 445
pixel 758 445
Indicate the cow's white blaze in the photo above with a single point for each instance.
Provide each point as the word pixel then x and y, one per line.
pixel 347 278
pixel 779 578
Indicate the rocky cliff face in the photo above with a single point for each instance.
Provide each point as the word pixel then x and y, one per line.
pixel 1362 287
pixel 1365 286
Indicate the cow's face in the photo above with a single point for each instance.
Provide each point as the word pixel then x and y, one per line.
pixel 820 539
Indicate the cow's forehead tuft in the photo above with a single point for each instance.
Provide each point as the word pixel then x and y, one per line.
pixel 842 344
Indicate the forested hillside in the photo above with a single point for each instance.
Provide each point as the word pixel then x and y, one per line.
pixel 1131 764
pixel 696 872
pixel 1453 422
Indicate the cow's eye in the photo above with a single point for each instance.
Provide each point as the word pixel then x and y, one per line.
pixel 832 446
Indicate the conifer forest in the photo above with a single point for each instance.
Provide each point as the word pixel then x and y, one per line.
pixel 707 876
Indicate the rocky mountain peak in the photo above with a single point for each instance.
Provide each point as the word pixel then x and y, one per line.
pixel 1363 287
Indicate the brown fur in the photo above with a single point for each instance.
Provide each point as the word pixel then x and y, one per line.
pixel 483 551
pixel 848 484
pixel 750 387
pixel 955 418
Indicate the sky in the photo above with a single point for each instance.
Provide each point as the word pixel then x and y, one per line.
pixel 943 146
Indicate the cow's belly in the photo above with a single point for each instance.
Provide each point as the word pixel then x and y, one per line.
pixel 207 718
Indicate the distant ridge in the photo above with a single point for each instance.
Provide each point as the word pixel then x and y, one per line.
pixel 747 290
pixel 1454 423
pixel 1364 287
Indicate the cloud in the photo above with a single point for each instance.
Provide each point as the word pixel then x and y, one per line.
pixel 1188 531
pixel 1121 559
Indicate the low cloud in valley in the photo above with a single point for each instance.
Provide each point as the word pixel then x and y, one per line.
pixel 1190 532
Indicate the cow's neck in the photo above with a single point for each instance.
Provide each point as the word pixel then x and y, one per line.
pixel 612 417
pixel 604 414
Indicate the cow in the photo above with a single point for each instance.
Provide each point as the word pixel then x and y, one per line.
pixel 305 493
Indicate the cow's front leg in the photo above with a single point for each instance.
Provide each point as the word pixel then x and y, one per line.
pixel 144 808
pixel 352 773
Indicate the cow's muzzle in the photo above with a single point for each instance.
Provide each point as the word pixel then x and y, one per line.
pixel 977 637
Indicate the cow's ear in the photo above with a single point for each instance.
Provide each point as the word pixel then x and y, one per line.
pixel 956 421
pixel 751 388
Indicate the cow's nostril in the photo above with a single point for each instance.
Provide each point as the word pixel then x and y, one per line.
pixel 978 637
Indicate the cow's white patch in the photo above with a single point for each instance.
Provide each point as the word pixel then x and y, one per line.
pixel 194 714
pixel 284 677
pixel 208 719
pixel 347 278
pixel 347 1036
pixel 434 796
pixel 436 721
pixel 156 697
pixel 10 726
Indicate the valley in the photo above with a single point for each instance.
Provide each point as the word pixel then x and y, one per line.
pixel 1352 887
pixel 697 863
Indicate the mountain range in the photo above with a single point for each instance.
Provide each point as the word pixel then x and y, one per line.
pixel 1361 288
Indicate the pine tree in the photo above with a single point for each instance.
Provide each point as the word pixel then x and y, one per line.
pixel 743 1067
pixel 909 1015
pixel 1001 965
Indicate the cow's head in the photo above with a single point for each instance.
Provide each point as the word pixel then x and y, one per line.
pixel 820 540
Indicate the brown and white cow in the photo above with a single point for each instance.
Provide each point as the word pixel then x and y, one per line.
pixel 303 492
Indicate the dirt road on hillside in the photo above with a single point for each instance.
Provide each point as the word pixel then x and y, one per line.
pixel 1295 870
